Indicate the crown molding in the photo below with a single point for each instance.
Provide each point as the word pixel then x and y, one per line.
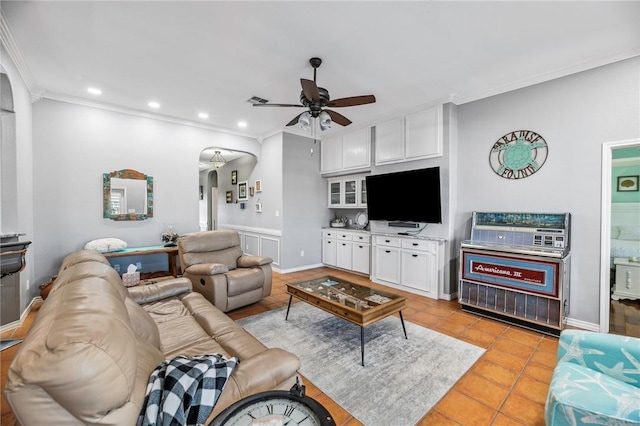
pixel 7 39
pixel 140 113
pixel 548 76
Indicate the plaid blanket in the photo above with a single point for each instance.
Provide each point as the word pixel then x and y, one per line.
pixel 184 390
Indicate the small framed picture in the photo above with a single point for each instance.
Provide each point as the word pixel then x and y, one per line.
pixel 234 177
pixel 258 207
pixel 243 191
pixel 251 190
pixel 229 197
pixel 627 183
pixel 258 186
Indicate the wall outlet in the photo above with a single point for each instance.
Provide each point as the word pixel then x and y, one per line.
pixel 301 253
pixel 139 266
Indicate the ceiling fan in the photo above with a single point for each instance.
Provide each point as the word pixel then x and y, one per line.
pixel 316 99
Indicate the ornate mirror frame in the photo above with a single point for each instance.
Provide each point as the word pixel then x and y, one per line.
pixel 106 195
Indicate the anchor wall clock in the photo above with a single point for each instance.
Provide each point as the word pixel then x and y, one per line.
pixel 518 154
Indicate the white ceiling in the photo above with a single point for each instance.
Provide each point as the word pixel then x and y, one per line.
pixel 214 55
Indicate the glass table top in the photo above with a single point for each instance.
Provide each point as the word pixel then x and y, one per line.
pixel 346 293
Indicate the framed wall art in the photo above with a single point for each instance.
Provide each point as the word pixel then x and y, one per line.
pixel 627 183
pixel 243 191
pixel 234 177
pixel 229 197
pixel 258 186
pixel 251 190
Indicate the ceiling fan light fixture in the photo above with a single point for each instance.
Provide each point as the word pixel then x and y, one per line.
pixel 217 160
pixel 325 120
pixel 304 121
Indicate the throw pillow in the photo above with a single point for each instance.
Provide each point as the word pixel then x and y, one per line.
pixel 629 233
pixel 104 245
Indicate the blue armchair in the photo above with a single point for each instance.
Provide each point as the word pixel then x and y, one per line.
pixel 596 380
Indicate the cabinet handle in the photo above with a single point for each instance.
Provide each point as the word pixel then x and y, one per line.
pixel 415 244
pixel 387 251
pixel 387 241
pixel 414 255
pixel 360 247
pixel 343 244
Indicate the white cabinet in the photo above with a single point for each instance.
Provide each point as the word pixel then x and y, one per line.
pixel 361 253
pixel 347 192
pixel 416 136
pixel 349 151
pixel 407 263
pixel 329 248
pixel 331 154
pixel 346 249
pixel 627 284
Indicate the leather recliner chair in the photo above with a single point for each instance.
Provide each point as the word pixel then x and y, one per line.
pixel 217 268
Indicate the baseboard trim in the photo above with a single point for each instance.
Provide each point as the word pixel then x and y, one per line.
pixel 589 326
pixel 299 268
pixel 16 324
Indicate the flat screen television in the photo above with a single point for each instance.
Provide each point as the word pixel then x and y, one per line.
pixel 409 196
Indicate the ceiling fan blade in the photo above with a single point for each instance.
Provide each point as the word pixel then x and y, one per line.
pixel 295 119
pixel 310 90
pixel 338 118
pixel 352 101
pixel 278 105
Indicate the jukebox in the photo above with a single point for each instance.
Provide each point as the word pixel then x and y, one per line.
pixel 516 268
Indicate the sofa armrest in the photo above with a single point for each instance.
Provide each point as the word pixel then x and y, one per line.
pixel 262 372
pixel 250 261
pixel 143 294
pixel 207 269
pixel 609 354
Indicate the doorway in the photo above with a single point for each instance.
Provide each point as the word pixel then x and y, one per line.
pixel 605 231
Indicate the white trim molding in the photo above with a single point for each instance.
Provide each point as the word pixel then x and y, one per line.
pixel 16 324
pixel 7 39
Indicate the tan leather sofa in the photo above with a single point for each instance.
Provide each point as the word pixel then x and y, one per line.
pixel 94 343
pixel 214 263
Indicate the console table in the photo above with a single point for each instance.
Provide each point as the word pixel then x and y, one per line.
pixel 172 254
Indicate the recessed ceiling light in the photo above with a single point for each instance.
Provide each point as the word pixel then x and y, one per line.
pixel 242 124
pixel 154 104
pixel 94 91
pixel 203 115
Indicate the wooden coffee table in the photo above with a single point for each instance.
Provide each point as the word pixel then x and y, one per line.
pixel 356 303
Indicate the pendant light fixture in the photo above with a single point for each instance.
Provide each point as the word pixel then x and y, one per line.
pixel 217 160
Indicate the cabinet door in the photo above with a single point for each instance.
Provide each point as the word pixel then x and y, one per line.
pixel 355 149
pixel 360 258
pixel 423 134
pixel 331 156
pixel 389 141
pixel 344 254
pixel 419 271
pixel 387 264
pixel 362 192
pixel 350 198
pixel 335 193
pixel 329 252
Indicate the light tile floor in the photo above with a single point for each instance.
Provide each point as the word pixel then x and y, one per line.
pixel 506 386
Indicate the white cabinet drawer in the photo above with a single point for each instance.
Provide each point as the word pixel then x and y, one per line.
pixel 329 234
pixel 382 240
pixel 421 245
pixel 344 236
pixel 362 238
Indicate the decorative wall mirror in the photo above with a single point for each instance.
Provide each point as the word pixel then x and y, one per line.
pixel 127 195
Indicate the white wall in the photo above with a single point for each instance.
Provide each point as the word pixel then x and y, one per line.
pixel 575 115
pixel 22 217
pixel 74 145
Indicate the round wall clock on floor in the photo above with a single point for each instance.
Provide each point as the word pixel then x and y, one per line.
pixel 518 154
pixel 289 408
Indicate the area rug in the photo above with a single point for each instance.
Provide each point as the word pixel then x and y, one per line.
pixel 402 378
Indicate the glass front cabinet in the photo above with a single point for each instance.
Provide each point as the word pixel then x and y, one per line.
pixel 348 192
